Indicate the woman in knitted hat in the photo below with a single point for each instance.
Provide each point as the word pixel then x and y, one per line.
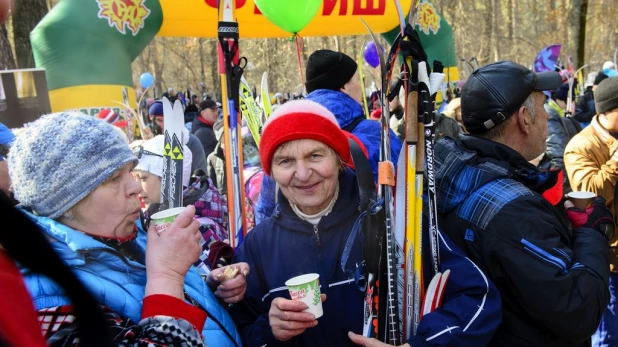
pixel 73 176
pixel 303 149
pixel 210 206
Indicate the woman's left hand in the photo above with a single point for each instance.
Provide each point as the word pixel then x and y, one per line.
pixel 231 290
pixel 367 342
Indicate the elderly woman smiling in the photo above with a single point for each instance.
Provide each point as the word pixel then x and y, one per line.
pixel 303 149
pixel 73 176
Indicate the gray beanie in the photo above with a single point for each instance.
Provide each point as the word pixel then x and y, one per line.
pixel 606 95
pixel 62 157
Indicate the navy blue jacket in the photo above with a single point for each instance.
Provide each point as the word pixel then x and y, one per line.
pixel 553 281
pixel 285 246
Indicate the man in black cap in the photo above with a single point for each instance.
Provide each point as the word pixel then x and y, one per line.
pixel 591 160
pixel 553 280
pixel 333 82
pixel 202 125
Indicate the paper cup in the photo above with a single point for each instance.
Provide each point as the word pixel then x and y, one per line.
pixel 581 200
pixel 162 220
pixel 306 288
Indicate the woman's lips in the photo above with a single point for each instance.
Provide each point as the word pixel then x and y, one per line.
pixel 307 188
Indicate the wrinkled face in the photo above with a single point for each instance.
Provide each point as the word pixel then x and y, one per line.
pixel 353 88
pixel 151 187
pixel 307 172
pixel 538 135
pixel 111 209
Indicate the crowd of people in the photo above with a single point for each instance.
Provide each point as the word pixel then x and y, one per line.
pixel 84 266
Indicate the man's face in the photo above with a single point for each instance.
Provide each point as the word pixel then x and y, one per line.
pixel 353 88
pixel 538 135
pixel 611 120
pixel 210 114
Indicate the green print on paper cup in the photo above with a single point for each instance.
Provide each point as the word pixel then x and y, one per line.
pixel 306 288
pixel 162 220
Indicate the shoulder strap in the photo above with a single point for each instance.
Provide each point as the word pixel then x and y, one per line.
pixel 364 175
pixel 350 127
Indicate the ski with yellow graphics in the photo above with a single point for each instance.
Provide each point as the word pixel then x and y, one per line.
pixel 173 153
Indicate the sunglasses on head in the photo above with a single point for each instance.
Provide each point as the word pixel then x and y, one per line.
pixel 139 151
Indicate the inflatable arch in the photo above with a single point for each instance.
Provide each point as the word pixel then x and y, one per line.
pixel 86 46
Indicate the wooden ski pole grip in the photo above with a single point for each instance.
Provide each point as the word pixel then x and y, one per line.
pixel 412 118
pixel 420 147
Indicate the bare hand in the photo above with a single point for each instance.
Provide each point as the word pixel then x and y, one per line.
pixel 287 319
pixel 229 282
pixel 367 342
pixel 169 255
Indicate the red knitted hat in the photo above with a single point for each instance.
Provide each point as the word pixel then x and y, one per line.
pixel 302 119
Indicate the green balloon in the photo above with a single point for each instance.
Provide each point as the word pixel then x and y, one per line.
pixel 291 16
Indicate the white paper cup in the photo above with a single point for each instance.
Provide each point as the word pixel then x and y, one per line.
pixel 581 200
pixel 306 288
pixel 162 220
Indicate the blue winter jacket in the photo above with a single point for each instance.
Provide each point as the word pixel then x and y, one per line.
pixel 285 246
pixel 347 111
pixel 118 282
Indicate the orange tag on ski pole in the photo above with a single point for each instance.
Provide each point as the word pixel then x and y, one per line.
pixel 386 173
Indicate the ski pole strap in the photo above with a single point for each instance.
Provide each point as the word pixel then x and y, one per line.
pixel 364 176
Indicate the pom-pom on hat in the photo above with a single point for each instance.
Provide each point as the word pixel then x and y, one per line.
pixel 302 119
pixel 62 157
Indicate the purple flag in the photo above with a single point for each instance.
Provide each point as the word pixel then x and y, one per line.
pixel 547 58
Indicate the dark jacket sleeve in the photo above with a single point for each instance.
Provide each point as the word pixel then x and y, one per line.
pixel 556 141
pixel 560 280
pixel 471 311
pixel 207 139
pixel 251 314
pixel 585 109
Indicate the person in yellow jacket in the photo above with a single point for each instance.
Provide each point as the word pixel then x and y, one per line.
pixel 591 162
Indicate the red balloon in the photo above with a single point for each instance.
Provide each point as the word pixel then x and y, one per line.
pixel 4 10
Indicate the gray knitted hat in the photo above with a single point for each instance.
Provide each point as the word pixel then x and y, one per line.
pixel 62 157
pixel 606 95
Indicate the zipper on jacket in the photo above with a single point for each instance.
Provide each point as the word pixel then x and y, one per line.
pixel 317 235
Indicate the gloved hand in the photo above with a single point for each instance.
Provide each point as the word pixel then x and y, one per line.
pixel 597 217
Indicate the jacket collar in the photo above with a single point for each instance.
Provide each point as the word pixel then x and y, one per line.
pixel 345 109
pixel 72 245
pixel 601 132
pixel 518 167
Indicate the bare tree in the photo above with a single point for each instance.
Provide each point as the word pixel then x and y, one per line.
pixel 26 15
pixel 7 61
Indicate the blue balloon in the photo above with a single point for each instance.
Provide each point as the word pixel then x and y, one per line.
pixel 371 54
pixel 146 80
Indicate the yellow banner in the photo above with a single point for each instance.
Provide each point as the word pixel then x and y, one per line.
pixel 198 18
pixel 90 99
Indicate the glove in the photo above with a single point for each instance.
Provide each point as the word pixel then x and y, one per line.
pixel 597 217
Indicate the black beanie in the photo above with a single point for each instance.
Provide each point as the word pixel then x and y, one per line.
pixel 328 69
pixel 606 95
pixel 561 93
pixel 600 77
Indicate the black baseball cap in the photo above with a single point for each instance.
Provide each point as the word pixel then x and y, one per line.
pixel 209 104
pixel 495 91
